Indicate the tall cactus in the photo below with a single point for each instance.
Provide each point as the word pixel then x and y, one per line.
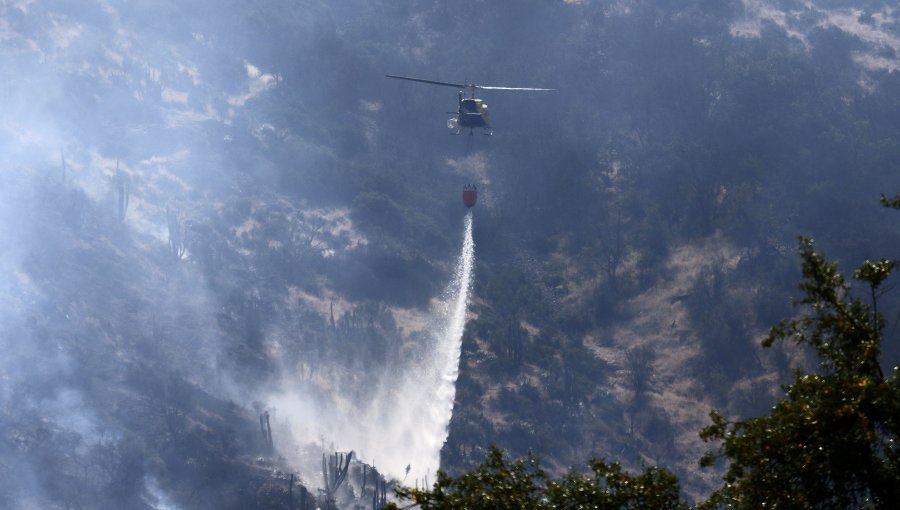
pixel 121 182
pixel 365 477
pixel 266 429
pixel 379 497
pixel 334 472
pixel 62 156
pixel 177 233
pixel 514 344
pixel 253 330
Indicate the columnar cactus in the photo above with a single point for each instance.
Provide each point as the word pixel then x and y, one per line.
pixel 334 472
pixel 121 183
pixel 177 234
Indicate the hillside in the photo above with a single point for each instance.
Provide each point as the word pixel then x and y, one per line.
pixel 220 210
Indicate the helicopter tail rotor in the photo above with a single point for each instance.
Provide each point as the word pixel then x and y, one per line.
pixel 453 125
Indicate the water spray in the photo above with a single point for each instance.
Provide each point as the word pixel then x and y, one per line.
pixel 450 338
pixel 406 423
pixel 425 403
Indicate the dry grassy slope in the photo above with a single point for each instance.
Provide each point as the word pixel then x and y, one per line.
pixel 659 318
pixel 661 321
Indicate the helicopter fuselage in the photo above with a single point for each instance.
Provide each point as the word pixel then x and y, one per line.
pixel 473 113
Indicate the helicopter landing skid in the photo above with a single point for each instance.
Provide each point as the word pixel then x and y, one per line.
pixel 486 132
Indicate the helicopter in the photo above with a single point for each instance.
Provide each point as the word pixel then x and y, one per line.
pixel 472 112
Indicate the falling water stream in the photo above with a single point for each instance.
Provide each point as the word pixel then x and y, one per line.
pixel 429 389
pixel 405 424
pixel 448 343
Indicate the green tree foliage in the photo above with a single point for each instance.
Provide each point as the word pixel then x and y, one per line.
pixel 893 203
pixel 495 484
pixel 501 484
pixel 832 441
pixel 609 487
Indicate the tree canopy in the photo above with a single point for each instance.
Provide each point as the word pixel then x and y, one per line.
pixel 831 442
pixel 499 483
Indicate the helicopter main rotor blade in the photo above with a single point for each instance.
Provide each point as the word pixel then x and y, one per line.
pixel 469 85
pixel 525 89
pixel 432 82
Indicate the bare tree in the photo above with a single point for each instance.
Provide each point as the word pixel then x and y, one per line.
pixel 306 234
